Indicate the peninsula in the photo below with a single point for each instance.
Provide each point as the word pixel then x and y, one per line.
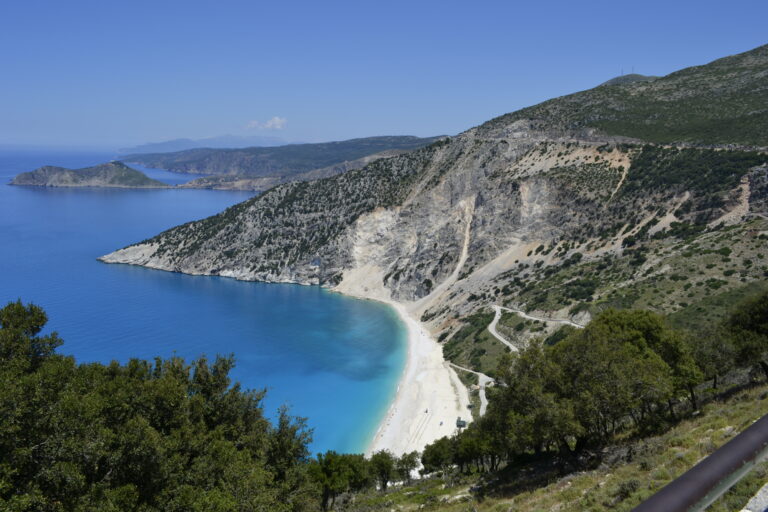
pixel 112 174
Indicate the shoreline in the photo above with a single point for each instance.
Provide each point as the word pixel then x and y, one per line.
pixel 429 397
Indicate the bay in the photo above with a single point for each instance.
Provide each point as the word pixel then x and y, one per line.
pixel 333 359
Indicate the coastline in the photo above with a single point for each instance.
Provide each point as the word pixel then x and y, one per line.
pixel 429 398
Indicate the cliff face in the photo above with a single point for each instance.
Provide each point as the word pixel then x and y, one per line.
pixel 112 174
pixel 497 210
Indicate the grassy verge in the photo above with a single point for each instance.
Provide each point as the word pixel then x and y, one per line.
pixel 630 472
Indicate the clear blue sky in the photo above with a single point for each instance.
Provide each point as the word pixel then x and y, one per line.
pixel 109 73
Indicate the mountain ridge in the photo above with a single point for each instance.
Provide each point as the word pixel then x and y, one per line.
pixel 281 160
pixel 536 209
pixel 223 141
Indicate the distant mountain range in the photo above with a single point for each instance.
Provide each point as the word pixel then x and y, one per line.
pixel 253 168
pixel 223 141
pixel 259 168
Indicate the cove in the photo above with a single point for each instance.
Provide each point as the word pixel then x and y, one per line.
pixel 333 359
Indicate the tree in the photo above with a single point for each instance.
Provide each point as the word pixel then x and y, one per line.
pixel 405 464
pixel 537 415
pixel 714 352
pixel 383 468
pixel 437 456
pixel 610 372
pixel 360 472
pixel 648 329
pixel 288 453
pixel 337 473
pixel 332 472
pixel 19 340
pixel 748 325
pixel 150 436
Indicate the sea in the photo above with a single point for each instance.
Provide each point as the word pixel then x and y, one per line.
pixel 332 359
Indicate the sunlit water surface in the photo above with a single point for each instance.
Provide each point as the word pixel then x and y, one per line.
pixel 331 358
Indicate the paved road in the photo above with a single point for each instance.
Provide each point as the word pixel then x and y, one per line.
pixel 540 319
pixel 495 333
pixel 497 316
pixel 498 309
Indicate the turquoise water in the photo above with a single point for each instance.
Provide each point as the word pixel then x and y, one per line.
pixel 331 358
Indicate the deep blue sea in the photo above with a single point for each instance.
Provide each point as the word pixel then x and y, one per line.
pixel 331 358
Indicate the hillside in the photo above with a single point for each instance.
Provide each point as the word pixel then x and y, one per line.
pixel 627 79
pixel 112 174
pixel 627 475
pixel 538 210
pixel 240 182
pixel 279 161
pixel 723 102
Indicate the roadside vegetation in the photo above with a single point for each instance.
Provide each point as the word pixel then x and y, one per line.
pixel 604 417
pixel 599 418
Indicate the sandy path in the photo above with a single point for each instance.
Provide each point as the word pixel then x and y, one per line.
pixel 620 183
pixel 482 381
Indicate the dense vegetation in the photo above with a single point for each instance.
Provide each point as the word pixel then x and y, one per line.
pixel 167 435
pixel 162 435
pixel 628 374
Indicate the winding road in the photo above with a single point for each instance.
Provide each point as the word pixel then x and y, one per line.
pixel 482 379
pixel 498 310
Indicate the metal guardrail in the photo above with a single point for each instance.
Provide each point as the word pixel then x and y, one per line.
pixel 700 486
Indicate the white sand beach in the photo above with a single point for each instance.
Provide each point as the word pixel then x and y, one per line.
pixel 430 396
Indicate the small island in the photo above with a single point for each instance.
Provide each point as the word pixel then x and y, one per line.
pixel 113 174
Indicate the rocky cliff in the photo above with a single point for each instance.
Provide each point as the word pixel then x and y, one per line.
pixel 554 207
